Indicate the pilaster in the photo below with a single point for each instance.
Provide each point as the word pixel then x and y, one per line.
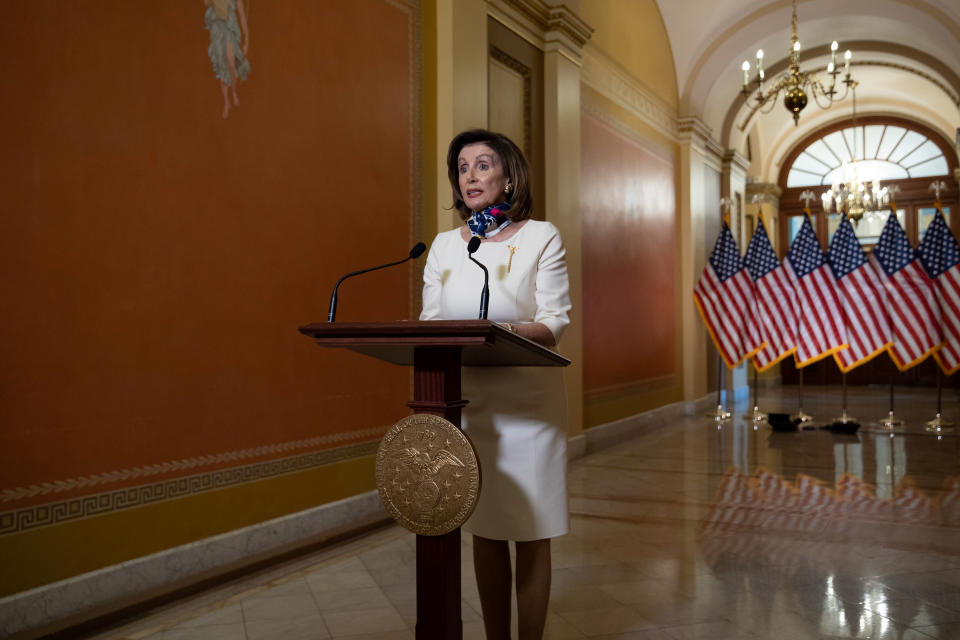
pixel 563 38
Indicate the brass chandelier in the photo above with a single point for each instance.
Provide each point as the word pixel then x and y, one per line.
pixel 855 195
pixel 797 85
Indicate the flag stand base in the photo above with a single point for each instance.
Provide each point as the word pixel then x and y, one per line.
pixel 939 425
pixel 844 424
pixel 890 424
pixel 756 416
pixel 719 415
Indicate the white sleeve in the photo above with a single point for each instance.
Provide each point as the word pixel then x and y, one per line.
pixel 431 285
pixel 553 286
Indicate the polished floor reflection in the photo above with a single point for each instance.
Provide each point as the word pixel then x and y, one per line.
pixel 697 530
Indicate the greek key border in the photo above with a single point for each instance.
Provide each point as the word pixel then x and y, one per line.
pixel 44 515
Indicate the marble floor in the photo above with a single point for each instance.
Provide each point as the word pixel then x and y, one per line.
pixel 696 530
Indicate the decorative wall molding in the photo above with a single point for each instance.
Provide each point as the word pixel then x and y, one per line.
pixel 695 131
pixel 605 76
pixel 70 484
pixel 734 159
pixel 414 16
pixel 559 20
pixel 764 189
pixel 51 513
pixel 527 74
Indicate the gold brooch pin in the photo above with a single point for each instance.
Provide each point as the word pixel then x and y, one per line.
pixel 512 251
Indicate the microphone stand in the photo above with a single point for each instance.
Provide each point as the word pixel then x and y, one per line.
pixel 416 252
pixel 472 247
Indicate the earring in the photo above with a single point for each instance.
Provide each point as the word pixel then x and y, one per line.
pixel 507 188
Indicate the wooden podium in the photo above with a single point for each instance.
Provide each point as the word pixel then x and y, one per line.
pixel 437 349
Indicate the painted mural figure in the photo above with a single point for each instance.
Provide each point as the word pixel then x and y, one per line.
pixel 227 22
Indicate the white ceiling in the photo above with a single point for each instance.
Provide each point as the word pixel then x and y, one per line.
pixel 891 40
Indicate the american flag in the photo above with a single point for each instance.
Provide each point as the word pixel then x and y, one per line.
pixel 820 319
pixel 774 295
pixel 910 302
pixel 940 256
pixel 861 292
pixel 724 295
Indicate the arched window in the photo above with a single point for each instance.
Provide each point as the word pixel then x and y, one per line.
pixel 894 151
pixel 882 151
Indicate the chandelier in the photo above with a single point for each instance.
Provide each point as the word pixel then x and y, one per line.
pixel 795 85
pixel 854 195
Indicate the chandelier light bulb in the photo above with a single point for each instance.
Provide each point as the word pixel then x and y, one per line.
pixel 830 67
pixel 759 54
pixel 745 66
pixel 847 55
pixel 796 46
pixel 833 46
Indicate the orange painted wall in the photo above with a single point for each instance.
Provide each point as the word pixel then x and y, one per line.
pixel 629 205
pixel 157 259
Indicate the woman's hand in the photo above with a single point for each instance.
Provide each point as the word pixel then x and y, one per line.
pixel 536 331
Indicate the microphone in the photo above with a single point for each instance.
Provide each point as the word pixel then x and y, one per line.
pixel 472 247
pixel 416 252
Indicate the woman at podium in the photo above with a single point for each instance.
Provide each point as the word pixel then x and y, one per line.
pixel 516 415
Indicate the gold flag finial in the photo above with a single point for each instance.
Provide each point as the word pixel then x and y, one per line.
pixel 725 205
pixel 938 186
pixel 807 196
pixel 892 191
pixel 758 199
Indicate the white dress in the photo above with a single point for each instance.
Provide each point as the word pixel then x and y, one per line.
pixel 516 417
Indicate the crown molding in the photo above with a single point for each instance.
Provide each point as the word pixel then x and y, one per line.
pixel 694 131
pixel 733 158
pixel 763 189
pixel 546 27
pixel 608 78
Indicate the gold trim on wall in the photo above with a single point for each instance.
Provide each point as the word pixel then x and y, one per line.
pixel 52 513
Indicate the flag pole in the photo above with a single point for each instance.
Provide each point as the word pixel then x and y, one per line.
pixel 756 417
pixel 800 416
pixel 938 424
pixel 719 414
pixel 844 423
pixel 891 422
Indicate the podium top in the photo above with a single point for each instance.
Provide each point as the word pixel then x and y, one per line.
pixel 481 343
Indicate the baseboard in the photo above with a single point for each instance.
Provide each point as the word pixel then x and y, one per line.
pixel 80 599
pixel 613 433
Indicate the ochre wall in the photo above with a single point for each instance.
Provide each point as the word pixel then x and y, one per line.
pixel 633 34
pixel 157 259
pixel 628 202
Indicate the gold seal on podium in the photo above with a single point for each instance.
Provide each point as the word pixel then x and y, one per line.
pixel 428 476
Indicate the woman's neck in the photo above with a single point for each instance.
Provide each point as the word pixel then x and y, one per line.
pixel 508 232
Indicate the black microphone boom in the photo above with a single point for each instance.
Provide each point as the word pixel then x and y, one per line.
pixel 472 247
pixel 416 252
